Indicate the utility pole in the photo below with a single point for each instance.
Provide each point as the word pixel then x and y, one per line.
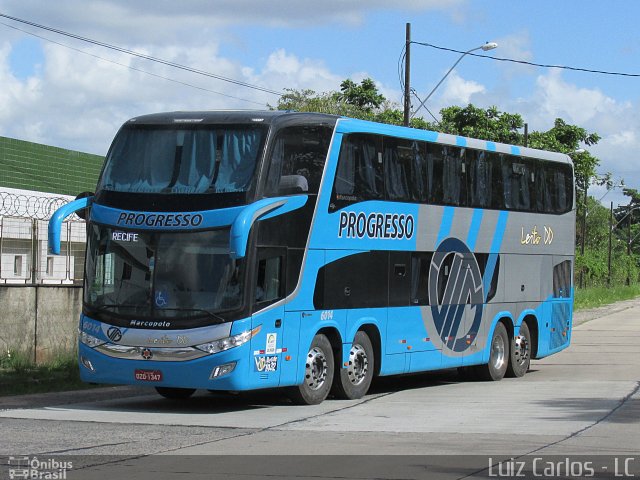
pixel 407 76
pixel 610 235
pixel 584 231
pixel 628 282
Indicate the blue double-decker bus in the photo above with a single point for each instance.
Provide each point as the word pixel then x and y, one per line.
pixel 249 250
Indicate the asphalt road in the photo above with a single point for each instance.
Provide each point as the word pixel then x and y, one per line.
pixel 580 404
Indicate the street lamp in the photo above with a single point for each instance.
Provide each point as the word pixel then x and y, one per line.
pixel 486 47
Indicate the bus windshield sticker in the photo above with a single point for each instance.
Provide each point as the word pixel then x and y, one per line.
pixel 124 236
pixel 271 343
pixel 161 299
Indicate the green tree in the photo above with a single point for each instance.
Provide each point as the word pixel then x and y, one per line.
pixel 627 218
pixel 361 101
pixel 486 124
pixel 364 96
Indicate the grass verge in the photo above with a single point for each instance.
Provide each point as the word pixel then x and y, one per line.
pixel 593 297
pixel 20 375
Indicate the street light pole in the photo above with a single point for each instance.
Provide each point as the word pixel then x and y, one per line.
pixel 486 47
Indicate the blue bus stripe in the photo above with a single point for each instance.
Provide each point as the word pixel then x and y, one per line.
pixel 474 228
pixel 493 253
pixel 445 225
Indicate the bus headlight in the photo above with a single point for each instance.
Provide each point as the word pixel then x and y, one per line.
pixel 90 341
pixel 223 344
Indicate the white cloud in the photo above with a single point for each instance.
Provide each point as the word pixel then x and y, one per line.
pixel 516 46
pixel 77 101
pixel 15 95
pixel 579 105
pixel 616 122
pixel 458 91
pixel 165 21
pixel 282 68
pixel 624 139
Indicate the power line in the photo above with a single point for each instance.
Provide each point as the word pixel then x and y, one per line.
pixel 128 66
pixel 143 56
pixel 523 62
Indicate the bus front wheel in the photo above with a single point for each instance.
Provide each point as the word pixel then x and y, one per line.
pixel 318 375
pixel 353 381
pixel 498 356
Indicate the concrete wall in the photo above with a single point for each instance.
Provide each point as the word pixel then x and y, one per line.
pixel 39 321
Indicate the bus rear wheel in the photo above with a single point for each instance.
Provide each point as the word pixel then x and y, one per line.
pixel 318 375
pixel 520 356
pixel 498 356
pixel 175 393
pixel 353 381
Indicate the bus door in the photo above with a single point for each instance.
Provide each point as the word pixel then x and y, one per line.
pixel 268 291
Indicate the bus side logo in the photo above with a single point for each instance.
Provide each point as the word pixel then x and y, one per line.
pixel 455 281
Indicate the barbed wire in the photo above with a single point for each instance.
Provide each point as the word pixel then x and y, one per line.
pixel 31 206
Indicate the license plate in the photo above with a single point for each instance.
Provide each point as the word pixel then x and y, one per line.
pixel 148 375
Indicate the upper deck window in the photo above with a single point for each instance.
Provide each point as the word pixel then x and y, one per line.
pixel 297 160
pixel 168 160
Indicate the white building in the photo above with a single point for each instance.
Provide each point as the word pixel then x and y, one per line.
pixel 24 256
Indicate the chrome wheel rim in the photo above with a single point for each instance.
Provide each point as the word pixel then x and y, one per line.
pixel 498 352
pixel 316 368
pixel 358 365
pixel 521 350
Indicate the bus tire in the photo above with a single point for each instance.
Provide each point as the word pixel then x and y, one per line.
pixel 498 356
pixel 520 353
pixel 175 393
pixel 318 375
pixel 354 381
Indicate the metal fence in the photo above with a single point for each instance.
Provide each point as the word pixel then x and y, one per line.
pixel 24 257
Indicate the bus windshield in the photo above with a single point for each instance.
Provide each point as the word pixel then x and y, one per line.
pixel 161 275
pixel 168 160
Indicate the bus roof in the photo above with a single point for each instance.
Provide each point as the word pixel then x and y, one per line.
pixel 350 125
pixel 344 125
pixel 234 117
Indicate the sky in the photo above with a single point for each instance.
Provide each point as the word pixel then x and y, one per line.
pixel 69 93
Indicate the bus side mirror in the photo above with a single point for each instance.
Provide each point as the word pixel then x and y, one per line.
pixel 84 213
pixel 55 224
